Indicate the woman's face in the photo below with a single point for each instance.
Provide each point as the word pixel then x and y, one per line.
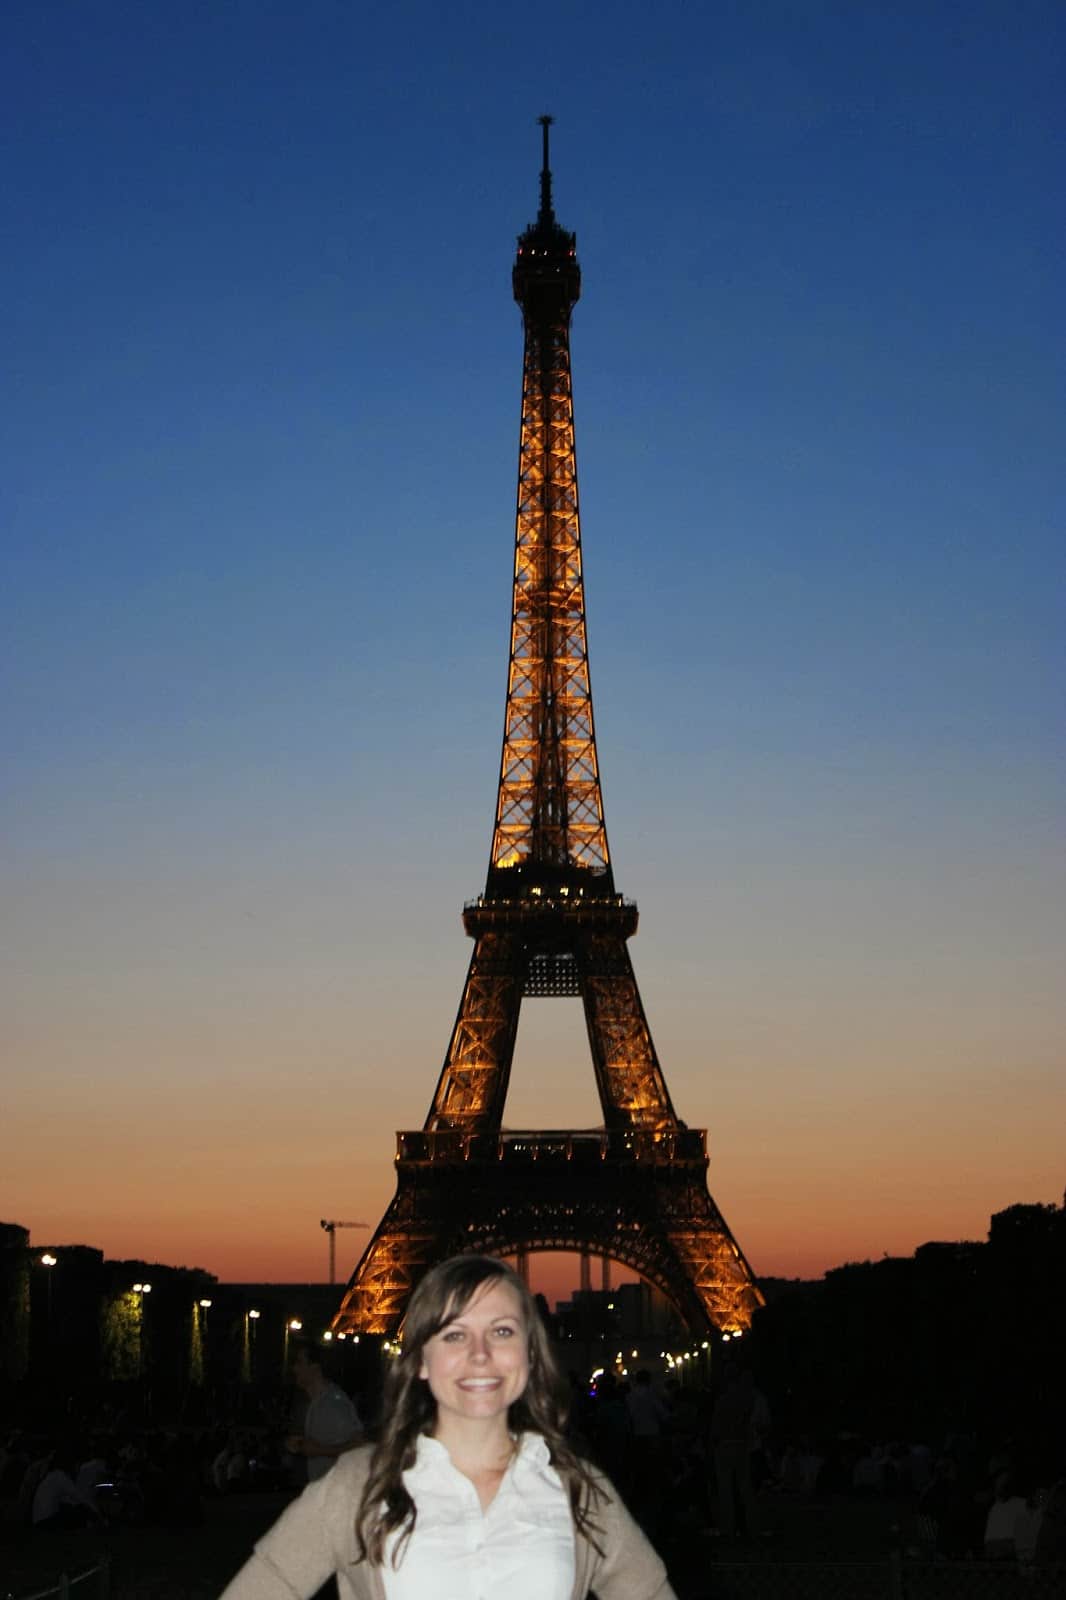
pixel 477 1365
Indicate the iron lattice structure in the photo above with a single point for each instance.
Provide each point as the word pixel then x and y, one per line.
pixel 550 923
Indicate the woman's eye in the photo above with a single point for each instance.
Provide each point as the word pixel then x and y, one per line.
pixel 503 1332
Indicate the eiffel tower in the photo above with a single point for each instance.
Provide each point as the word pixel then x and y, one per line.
pixel 550 922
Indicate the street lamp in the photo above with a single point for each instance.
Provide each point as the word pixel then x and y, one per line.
pixel 48 1261
pixel 251 1317
pixel 292 1326
pixel 199 1356
pixel 140 1290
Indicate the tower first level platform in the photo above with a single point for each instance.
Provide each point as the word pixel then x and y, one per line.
pixel 640 1198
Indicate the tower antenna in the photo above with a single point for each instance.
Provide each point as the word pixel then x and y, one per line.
pixel 547 215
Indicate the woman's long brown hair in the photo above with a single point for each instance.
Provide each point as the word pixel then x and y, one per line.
pixel 410 1410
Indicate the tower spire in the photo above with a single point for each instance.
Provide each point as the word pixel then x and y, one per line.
pixel 546 218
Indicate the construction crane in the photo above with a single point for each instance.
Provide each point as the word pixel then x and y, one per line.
pixel 331 1229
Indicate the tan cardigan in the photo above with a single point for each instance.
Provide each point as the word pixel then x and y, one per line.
pixel 315 1537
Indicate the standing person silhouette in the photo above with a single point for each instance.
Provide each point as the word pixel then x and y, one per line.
pixel 331 1422
pixel 472 1490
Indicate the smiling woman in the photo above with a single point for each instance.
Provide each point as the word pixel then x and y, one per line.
pixel 472 1488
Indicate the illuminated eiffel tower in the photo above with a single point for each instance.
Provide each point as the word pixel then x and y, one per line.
pixel 550 922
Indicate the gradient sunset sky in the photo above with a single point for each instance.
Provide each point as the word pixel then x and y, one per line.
pixel 260 434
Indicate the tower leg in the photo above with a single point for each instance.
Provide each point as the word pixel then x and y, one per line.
pixel 472 1086
pixel 628 1075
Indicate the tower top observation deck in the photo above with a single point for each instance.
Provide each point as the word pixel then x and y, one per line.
pixel 546 270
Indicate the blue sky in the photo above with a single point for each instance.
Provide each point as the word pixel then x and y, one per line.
pixel 260 434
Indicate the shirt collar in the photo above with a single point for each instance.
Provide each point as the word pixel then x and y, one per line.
pixel 431 1457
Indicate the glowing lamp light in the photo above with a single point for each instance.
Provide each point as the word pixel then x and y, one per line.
pixel 253 1316
pixel 295 1325
pixel 206 1304
pixel 48 1260
pixel 327 1337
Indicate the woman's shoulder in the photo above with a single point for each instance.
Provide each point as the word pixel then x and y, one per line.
pixel 351 1469
pixel 592 1484
pixel 585 1470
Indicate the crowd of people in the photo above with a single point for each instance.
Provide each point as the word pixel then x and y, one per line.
pixel 712 1460
pixel 132 1477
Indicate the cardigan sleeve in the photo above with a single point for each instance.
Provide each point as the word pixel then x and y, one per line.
pixel 629 1568
pixel 311 1540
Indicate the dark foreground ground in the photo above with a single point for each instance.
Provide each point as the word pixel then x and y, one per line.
pixel 827 1548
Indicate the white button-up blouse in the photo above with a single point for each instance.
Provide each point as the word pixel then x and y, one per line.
pixel 522 1547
